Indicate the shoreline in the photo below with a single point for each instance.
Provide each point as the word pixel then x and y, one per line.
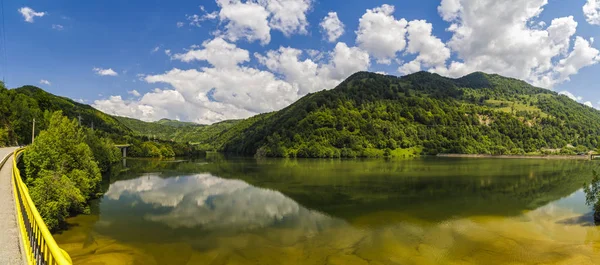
pixel 561 157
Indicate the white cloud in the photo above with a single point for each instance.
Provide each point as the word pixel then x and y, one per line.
pixel 45 82
pixel 588 103
pixel 430 50
pixel 381 34
pixel 582 55
pixel 332 26
pixel 180 24
pixel 244 21
pixel 410 67
pixel 288 16
pixel 499 37
pixel 237 91
pixel 57 27
pixel 104 72
pixel 309 76
pixel 155 49
pixel 217 52
pixel 570 95
pixel 591 10
pixel 134 92
pixel 29 14
pixel 253 20
pixel 168 52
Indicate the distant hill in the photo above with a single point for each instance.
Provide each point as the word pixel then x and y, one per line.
pixel 376 115
pixel 177 131
pixel 175 123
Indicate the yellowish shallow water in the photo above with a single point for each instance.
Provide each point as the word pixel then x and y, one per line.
pixel 549 235
pixel 414 212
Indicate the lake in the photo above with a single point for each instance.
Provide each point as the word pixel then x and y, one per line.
pixel 285 211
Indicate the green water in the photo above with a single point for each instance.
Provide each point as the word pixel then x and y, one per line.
pixel 277 211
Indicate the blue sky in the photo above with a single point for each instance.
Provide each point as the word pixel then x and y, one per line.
pixel 149 52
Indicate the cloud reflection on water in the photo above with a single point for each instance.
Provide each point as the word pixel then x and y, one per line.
pixel 212 203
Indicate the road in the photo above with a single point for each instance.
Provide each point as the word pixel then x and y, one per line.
pixel 9 234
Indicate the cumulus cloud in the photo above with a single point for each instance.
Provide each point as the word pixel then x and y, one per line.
pixel 332 26
pixel 29 14
pixel 583 55
pixel 45 82
pixel 245 21
pixel 217 52
pixel 104 72
pixel 310 76
pixel 180 24
pixel 588 103
pixel 230 90
pixel 57 27
pixel 287 16
pixel 430 50
pixel 253 20
pixel 507 42
pixel 591 10
pixel 381 34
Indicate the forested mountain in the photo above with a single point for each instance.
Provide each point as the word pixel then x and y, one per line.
pixel 18 108
pixel 376 115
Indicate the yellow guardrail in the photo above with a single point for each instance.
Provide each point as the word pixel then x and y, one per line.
pixel 38 244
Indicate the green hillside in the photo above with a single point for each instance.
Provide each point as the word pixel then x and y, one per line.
pixel 177 131
pixel 18 108
pixel 375 115
pixel 175 123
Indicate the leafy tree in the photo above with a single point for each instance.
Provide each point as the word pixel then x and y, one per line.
pixel 61 170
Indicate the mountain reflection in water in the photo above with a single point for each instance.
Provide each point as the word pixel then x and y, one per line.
pixel 422 211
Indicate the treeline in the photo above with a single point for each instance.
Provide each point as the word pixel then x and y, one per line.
pixel 63 167
pixel 374 115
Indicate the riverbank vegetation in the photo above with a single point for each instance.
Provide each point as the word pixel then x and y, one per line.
pixel 63 168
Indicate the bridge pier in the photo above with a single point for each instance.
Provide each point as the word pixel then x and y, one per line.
pixel 123 148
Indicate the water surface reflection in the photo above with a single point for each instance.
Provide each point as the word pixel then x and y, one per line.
pixel 424 211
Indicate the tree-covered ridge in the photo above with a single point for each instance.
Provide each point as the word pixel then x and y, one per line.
pixel 184 132
pixel 20 106
pixel 375 115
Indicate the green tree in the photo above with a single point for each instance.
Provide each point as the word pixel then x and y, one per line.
pixel 61 170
